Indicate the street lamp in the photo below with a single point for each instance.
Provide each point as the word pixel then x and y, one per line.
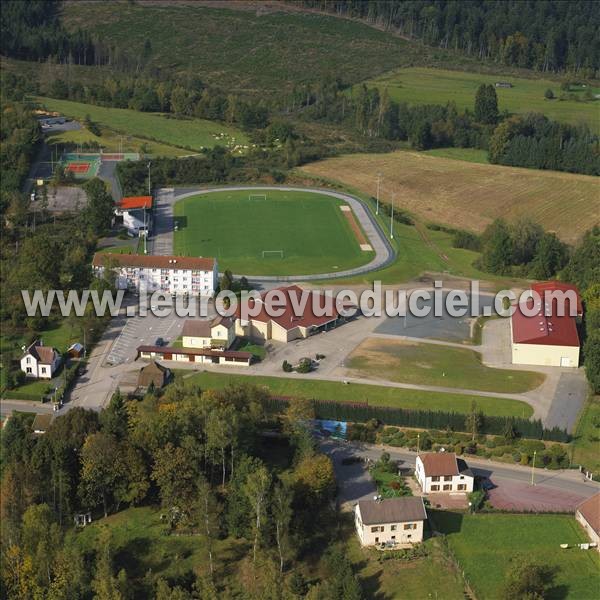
pixel 533 467
pixel 418 441
pixel 378 183
pixel 392 217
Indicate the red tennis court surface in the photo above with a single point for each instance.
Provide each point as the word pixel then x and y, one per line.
pixel 522 496
pixel 78 167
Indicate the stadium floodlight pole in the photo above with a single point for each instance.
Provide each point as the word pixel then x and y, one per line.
pixel 533 467
pixel 392 217
pixel 378 183
pixel 149 193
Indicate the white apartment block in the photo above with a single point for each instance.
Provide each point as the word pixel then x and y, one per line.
pixel 181 275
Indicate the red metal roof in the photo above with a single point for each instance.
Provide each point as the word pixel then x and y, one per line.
pixel 554 286
pixel 541 329
pixel 195 352
pixel 135 202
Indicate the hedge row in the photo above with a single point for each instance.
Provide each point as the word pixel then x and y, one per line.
pixel 424 419
pixel 17 395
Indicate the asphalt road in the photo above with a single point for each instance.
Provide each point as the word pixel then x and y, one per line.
pixel 355 485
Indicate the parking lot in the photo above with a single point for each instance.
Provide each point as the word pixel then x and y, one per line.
pixel 445 327
pixel 143 331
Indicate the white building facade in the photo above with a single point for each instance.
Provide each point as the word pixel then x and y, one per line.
pixel 176 275
pixel 390 521
pixel 39 361
pixel 443 472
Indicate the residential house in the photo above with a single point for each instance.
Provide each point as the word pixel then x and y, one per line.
pixel 588 515
pixel 183 275
pixel 390 520
pixel 153 374
pixel 443 472
pixel 218 334
pixel 40 361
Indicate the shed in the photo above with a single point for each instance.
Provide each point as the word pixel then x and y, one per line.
pixel 153 374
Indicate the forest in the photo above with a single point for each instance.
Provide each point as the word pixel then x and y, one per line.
pixel 552 35
pixel 201 458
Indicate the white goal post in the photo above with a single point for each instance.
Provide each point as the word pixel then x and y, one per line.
pixel 257 197
pixel 272 253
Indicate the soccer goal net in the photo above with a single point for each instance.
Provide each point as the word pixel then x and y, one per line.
pixel 272 253
pixel 257 197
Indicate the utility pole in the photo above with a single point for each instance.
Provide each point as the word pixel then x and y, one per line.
pixel 533 467
pixel 392 217
pixel 145 225
pixel 418 442
pixel 378 184
pixel 149 193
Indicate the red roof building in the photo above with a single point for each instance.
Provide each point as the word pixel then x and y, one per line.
pixel 540 335
pixel 544 287
pixel 295 313
pixel 135 203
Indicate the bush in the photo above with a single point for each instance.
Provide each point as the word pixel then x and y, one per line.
pixel 287 367
pixel 517 457
pixel 467 240
pixel 304 366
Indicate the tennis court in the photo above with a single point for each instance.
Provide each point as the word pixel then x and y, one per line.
pixel 82 165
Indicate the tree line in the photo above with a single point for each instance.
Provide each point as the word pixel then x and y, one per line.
pixel 547 35
pixel 198 455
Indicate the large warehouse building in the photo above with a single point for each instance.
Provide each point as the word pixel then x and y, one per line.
pixel 539 339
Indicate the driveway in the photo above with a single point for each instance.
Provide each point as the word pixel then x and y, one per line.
pixel 384 252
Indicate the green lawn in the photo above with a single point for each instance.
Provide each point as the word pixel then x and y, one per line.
pixel 586 443
pixel 487 545
pixel 426 578
pixel 438 86
pixel 373 394
pixel 309 228
pixel 194 134
pixel 111 141
pixel 432 364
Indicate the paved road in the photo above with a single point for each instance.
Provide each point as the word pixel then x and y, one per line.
pixel 384 252
pixel 355 485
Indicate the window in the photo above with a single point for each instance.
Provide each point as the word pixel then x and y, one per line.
pixel 462 476
pixel 374 529
pixel 28 369
pixel 435 488
pixel 461 486
pixel 29 360
pixel 435 478
pixel 409 535
pixel 447 487
pixel 447 477
pixel 408 526
pixel 43 369
pixel 393 537
pixel 393 527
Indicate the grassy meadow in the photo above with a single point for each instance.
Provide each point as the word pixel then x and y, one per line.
pixel 309 228
pixel 488 545
pixel 373 394
pixel 438 86
pixel 406 361
pixel 468 195
pixel 194 134
pixel 586 442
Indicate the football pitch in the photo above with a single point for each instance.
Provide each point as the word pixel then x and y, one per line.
pixel 268 232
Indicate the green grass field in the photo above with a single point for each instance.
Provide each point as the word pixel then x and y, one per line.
pixel 432 364
pixel 373 394
pixel 194 134
pixel 309 228
pixel 473 155
pixel 438 86
pixel 586 442
pixel 486 547
pixel 111 141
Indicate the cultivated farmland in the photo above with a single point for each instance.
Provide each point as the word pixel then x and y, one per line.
pixel 470 195
pixel 298 232
pixel 438 86
pixel 194 134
